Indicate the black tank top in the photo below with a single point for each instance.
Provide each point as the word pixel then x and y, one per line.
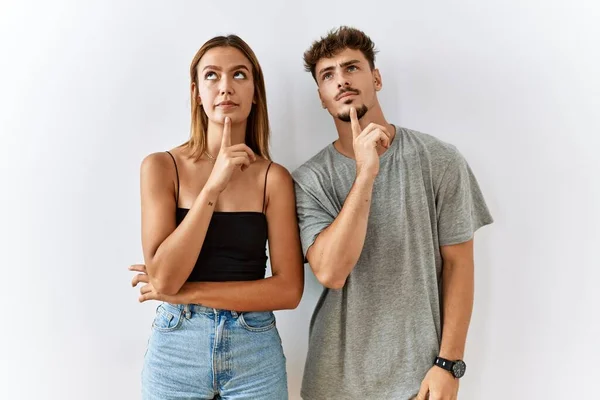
pixel 234 248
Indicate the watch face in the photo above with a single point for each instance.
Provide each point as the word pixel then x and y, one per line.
pixel 459 368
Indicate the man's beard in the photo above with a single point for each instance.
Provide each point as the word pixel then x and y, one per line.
pixel 360 112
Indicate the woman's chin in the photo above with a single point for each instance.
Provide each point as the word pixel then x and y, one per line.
pixel 236 116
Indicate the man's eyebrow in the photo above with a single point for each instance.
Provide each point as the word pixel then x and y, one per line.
pixel 348 63
pixel 344 64
pixel 326 69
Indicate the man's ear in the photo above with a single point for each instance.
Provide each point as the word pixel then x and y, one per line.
pixel 377 80
pixel 321 98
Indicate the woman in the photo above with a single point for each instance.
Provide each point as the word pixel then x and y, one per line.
pixel 208 208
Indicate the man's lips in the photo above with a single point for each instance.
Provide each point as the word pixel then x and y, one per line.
pixel 346 94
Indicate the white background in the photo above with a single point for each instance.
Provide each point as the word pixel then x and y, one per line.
pixel 88 88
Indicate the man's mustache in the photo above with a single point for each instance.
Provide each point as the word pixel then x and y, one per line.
pixel 342 92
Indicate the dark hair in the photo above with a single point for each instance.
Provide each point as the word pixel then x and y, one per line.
pixel 335 41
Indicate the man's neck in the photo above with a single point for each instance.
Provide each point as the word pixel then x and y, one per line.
pixel 344 144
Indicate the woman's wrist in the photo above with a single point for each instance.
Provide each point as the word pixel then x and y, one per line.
pixel 209 195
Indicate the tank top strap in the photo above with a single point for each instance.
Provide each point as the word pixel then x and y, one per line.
pixel 177 174
pixel 265 187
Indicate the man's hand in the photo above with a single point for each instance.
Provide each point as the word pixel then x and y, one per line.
pixel 439 384
pixel 365 142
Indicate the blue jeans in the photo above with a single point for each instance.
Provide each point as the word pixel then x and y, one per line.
pixel 201 353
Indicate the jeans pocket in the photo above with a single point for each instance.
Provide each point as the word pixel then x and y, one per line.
pixel 257 321
pixel 167 318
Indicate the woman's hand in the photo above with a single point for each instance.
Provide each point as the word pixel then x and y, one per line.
pixel 148 292
pixel 229 158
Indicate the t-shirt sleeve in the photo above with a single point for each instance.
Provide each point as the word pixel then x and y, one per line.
pixel 461 208
pixel 313 216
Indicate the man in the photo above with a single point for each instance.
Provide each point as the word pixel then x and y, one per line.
pixel 387 218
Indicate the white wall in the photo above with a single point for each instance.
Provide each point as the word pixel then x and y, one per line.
pixel 87 89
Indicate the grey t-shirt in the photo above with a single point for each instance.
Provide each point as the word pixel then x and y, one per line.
pixel 377 337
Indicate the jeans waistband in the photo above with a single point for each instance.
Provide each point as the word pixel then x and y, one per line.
pixel 200 309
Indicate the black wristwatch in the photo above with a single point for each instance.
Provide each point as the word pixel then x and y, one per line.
pixel 456 368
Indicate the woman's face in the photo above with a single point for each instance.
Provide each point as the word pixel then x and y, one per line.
pixel 225 84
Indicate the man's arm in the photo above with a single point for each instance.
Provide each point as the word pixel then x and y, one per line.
pixel 337 248
pixel 461 212
pixel 457 298
pixel 457 305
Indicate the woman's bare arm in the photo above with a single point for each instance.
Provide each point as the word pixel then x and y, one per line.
pixel 283 290
pixel 170 251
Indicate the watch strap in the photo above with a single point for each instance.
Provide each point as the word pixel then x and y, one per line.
pixel 444 364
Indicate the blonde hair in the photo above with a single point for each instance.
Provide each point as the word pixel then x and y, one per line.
pixel 257 127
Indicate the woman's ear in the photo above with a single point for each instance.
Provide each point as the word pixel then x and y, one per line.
pixel 195 94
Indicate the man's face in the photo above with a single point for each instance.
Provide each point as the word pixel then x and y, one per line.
pixel 346 80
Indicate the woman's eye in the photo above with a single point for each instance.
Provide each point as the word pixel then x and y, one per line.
pixel 239 75
pixel 210 76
